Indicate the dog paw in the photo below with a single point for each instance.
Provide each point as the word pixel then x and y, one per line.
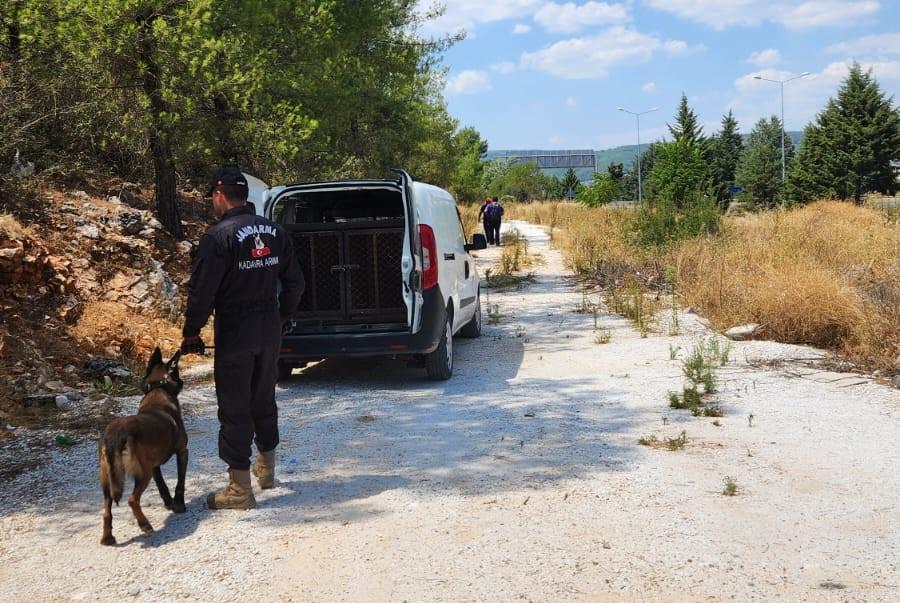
pixel 178 507
pixel 146 528
pixel 168 505
pixel 108 540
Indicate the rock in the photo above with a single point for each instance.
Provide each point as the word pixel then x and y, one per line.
pixel 114 199
pixel 80 195
pixel 742 332
pixel 63 402
pixel 131 221
pixel 185 246
pixel 89 230
pixel 897 380
pixel 55 385
pixel 99 367
pixel 147 232
pixel 154 223
pixel 21 168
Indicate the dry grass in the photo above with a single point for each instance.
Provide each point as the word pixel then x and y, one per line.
pixel 827 274
pixel 105 323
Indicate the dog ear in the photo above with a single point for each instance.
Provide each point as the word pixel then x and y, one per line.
pixel 173 362
pixel 155 358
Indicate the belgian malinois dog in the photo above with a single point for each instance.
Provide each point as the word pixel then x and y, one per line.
pixel 139 444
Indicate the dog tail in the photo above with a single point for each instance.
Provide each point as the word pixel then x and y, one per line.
pixel 112 466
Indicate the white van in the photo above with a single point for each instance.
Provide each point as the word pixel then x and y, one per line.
pixel 387 269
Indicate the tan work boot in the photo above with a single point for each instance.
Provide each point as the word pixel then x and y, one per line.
pixel 264 469
pixel 238 494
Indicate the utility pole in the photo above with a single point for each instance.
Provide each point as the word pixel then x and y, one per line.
pixel 638 116
pixel 781 83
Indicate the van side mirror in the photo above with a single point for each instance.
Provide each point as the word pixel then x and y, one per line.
pixel 478 242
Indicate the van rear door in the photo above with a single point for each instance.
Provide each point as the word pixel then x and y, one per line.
pixel 339 249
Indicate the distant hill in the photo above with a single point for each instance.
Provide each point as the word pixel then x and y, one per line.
pixel 624 155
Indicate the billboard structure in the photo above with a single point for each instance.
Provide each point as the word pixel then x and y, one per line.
pixel 580 158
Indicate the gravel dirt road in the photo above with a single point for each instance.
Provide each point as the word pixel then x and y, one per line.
pixel 521 478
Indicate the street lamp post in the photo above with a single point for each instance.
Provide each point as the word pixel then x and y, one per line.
pixel 638 116
pixel 782 83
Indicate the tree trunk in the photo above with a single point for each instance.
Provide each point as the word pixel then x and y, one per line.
pixel 166 194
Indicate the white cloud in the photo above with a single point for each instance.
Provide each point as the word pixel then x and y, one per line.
pixel 828 13
pixel 521 28
pixel 682 48
pixel 466 14
pixel 764 58
pixel 571 102
pixel 468 82
pixel 803 98
pixel 504 67
pixel 722 14
pixel 570 18
pixel 649 87
pixel 876 45
pixel 591 57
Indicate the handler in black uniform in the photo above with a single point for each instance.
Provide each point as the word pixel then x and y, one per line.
pixel 237 268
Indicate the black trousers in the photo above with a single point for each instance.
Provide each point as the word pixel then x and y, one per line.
pixel 492 231
pixel 246 370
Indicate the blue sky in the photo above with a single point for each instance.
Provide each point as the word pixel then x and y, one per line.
pixel 537 74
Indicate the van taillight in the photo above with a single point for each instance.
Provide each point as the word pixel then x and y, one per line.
pixel 429 257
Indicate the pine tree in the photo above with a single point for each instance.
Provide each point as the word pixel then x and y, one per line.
pixel 724 153
pixel 687 125
pixel 570 183
pixel 759 168
pixel 679 174
pixel 847 151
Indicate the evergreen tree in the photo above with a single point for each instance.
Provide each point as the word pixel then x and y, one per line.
pixel 466 178
pixel 724 153
pixel 759 168
pixel 687 126
pixel 571 184
pixel 847 151
pixel 679 173
pixel 616 171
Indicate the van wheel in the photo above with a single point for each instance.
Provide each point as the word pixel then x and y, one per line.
pixel 439 363
pixel 473 327
pixel 285 370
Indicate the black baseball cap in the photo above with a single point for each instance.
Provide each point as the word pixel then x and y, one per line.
pixel 228 175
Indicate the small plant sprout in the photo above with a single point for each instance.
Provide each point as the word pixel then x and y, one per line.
pixel 731 487
pixel 673 351
pixel 665 420
pixel 603 337
pixel 672 444
pixel 677 443
pixel 672 277
pixel 717 423
pixel 750 418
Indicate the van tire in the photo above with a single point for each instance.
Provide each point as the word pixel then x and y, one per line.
pixel 439 363
pixel 472 329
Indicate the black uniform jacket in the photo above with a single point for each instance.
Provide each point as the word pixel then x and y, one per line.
pixel 237 268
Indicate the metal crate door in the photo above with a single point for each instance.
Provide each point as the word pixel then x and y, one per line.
pixel 374 276
pixel 320 255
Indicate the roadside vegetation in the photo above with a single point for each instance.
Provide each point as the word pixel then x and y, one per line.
pixel 824 274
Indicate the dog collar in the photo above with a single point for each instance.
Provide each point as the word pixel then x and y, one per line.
pixel 149 387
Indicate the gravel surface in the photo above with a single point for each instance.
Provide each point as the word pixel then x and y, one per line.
pixel 521 478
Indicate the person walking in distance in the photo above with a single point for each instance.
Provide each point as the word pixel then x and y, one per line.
pixel 493 215
pixel 236 272
pixel 484 219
